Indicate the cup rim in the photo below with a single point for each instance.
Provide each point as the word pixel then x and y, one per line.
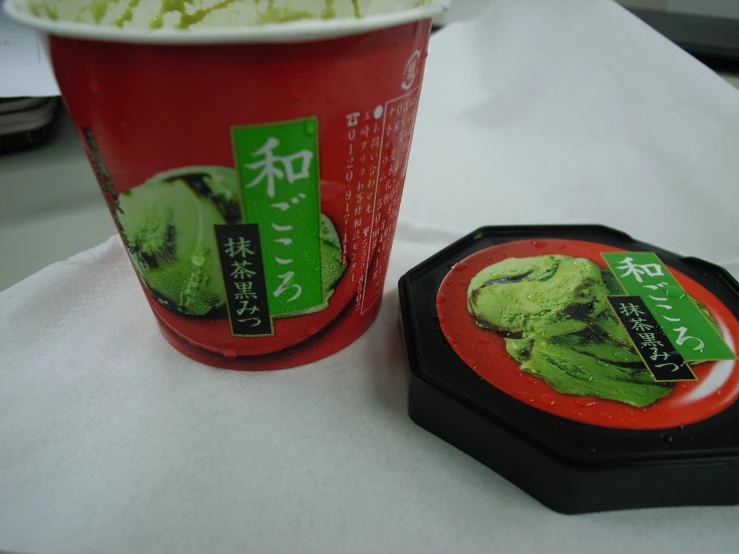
pixel 305 30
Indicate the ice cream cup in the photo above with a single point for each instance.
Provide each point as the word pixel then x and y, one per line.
pixel 254 172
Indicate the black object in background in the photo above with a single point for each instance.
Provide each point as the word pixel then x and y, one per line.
pixel 713 40
pixel 26 122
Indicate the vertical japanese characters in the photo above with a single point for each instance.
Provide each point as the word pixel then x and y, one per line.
pixel 240 254
pixel 278 170
pixel 378 144
pixel 658 353
pixel 364 135
pixel 642 274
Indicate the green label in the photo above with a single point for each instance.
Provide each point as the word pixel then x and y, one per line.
pixel 642 274
pixel 278 171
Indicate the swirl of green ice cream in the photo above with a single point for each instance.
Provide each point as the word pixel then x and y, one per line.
pixel 168 230
pixel 536 297
pixel 167 225
pixel 556 321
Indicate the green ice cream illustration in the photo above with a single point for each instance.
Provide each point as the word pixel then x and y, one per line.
pixel 331 268
pixel 537 297
pixel 168 227
pixel 217 184
pixel 571 371
pixel 553 314
pixel 167 224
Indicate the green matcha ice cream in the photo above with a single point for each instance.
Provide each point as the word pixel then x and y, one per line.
pixel 187 14
pixel 167 224
pixel 553 314
pixel 569 370
pixel 168 227
pixel 331 268
pixel 537 297
pixel 217 184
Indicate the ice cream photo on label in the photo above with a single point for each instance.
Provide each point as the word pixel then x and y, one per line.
pixel 568 322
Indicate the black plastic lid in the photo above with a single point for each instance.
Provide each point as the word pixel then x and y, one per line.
pixel 574 452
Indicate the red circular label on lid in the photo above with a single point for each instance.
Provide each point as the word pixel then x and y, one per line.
pixel 554 368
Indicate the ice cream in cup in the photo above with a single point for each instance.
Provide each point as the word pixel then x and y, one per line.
pixel 252 154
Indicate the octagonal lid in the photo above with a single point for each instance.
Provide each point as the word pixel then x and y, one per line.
pixel 586 343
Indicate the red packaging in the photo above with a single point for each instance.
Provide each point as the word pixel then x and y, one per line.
pixel 256 186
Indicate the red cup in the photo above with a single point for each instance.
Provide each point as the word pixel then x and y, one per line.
pixel 256 185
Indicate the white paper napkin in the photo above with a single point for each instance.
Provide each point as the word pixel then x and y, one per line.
pixel 111 441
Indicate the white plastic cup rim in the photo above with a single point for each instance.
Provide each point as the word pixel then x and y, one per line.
pixel 305 30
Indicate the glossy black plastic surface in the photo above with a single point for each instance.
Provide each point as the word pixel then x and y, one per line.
pixel 569 466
